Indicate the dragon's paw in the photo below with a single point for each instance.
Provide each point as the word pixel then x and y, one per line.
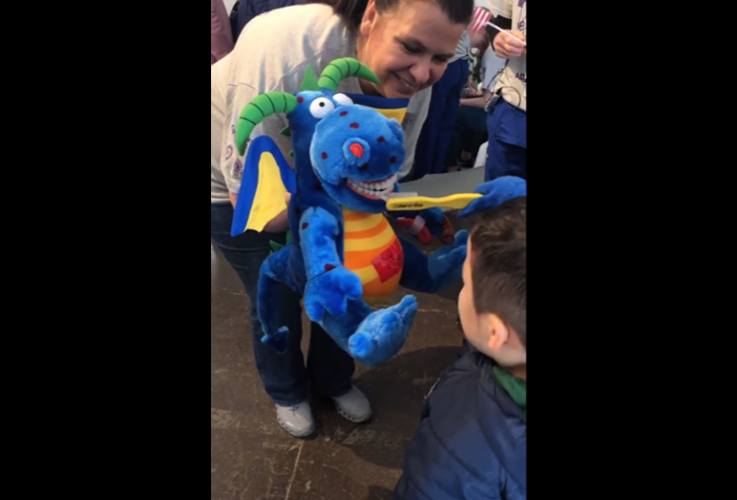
pixel 329 292
pixel 495 193
pixel 383 332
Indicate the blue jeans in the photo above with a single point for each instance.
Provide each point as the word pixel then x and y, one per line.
pixel 507 150
pixel 284 375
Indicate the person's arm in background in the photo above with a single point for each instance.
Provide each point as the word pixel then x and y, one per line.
pixel 478 101
pixel 509 45
pixel 221 39
pixel 505 45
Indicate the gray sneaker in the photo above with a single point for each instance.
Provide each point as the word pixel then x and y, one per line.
pixel 353 406
pixel 297 419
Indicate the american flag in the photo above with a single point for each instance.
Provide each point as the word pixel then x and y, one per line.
pixel 480 17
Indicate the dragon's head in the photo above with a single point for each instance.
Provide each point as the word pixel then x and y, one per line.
pixel 354 150
pixel 356 153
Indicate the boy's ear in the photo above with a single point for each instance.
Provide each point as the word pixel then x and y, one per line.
pixel 497 331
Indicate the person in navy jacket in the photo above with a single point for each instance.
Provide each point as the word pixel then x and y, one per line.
pixel 472 439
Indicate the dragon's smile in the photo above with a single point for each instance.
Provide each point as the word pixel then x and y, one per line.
pixel 373 190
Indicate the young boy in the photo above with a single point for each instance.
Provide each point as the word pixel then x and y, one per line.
pixel 472 439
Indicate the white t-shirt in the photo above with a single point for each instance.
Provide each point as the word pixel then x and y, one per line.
pixel 272 53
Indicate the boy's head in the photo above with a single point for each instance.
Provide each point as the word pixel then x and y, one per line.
pixel 493 301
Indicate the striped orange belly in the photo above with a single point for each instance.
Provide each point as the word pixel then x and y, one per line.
pixel 372 251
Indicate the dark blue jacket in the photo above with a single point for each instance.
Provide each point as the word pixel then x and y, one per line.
pixel 471 442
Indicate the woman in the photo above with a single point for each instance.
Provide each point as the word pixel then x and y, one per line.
pixel 407 43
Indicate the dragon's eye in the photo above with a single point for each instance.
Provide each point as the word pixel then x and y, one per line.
pixel 342 99
pixel 321 107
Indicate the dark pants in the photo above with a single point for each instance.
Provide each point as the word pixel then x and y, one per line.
pixel 284 375
pixel 507 150
pixel 469 133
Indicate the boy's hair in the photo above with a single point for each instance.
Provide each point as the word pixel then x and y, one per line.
pixel 499 264
pixel 458 11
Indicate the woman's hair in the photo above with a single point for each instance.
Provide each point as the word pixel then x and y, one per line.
pixel 351 11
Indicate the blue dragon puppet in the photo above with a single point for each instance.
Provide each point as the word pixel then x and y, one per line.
pixel 343 249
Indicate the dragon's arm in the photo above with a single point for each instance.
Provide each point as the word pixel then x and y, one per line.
pixel 329 283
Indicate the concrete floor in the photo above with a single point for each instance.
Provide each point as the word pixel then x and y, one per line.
pixel 253 458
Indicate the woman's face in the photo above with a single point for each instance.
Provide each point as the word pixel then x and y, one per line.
pixel 407 46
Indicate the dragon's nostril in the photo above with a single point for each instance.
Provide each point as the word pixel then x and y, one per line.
pixel 356 149
pixel 363 167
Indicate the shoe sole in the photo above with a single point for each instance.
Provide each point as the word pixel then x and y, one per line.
pixel 351 418
pixel 292 433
